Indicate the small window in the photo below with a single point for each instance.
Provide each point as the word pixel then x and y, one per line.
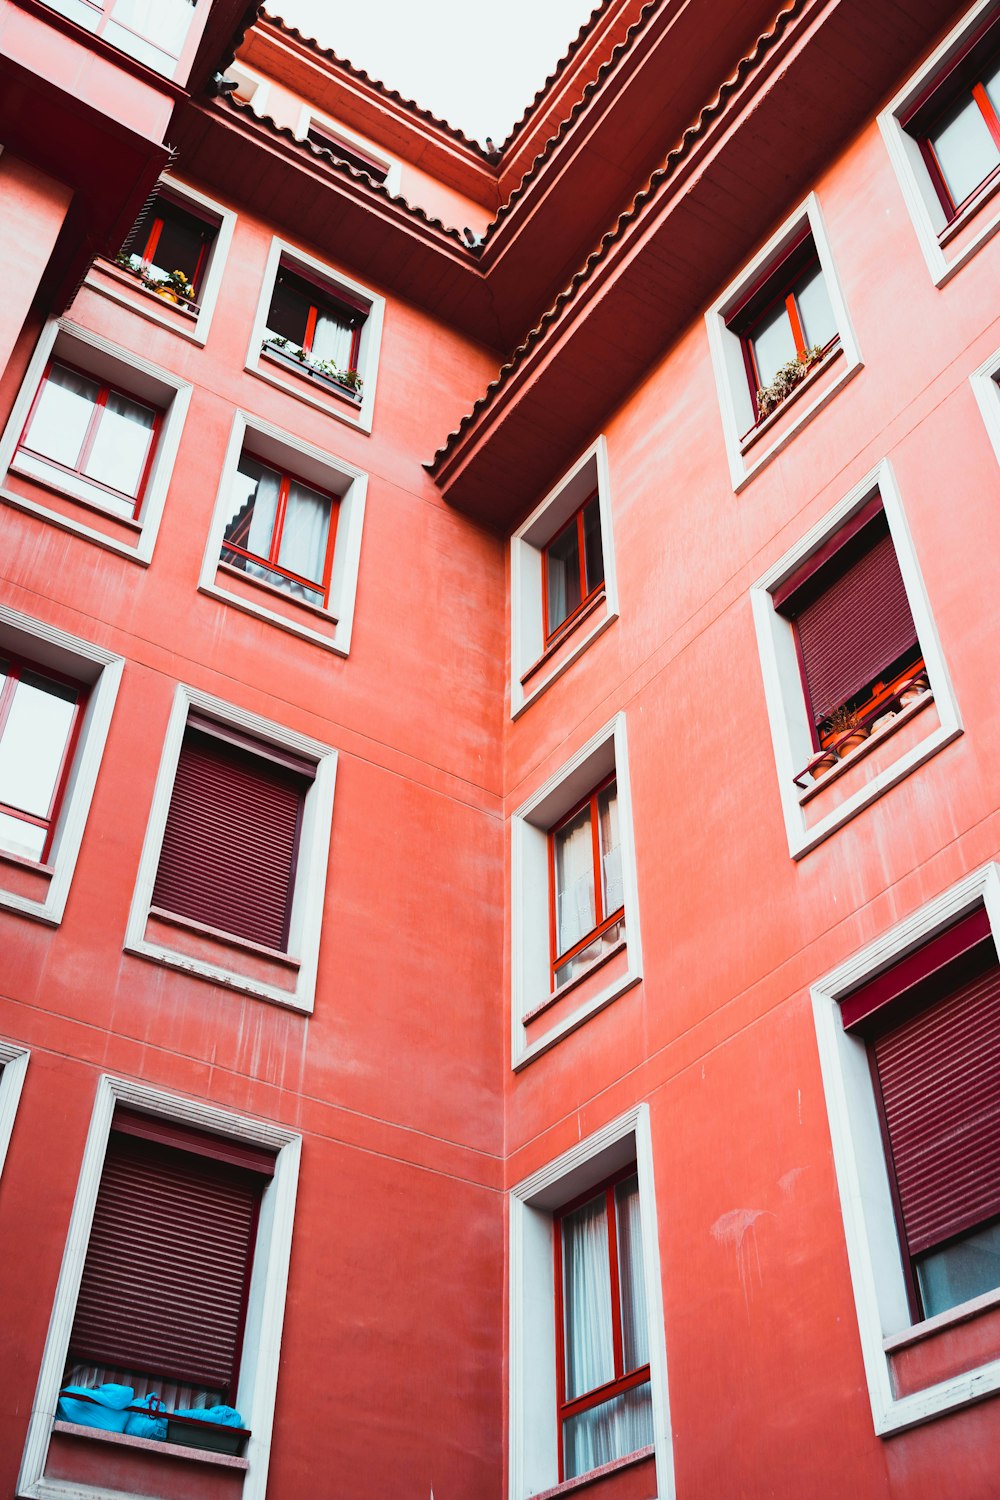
pixel 171 251
pixel 574 568
pixel 281 530
pixel 605 1407
pixel 588 903
pixel 39 723
pixel 309 327
pixel 337 145
pixel 958 126
pixel 230 846
pixel 98 438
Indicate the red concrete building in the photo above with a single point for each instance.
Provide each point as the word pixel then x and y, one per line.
pixel 498 830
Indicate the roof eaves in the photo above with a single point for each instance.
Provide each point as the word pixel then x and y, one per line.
pixel 653 188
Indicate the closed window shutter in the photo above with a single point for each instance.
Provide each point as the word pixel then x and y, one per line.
pixel 857 627
pixel 165 1280
pixel 231 841
pixel 939 1075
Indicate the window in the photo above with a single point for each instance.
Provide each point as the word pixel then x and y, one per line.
pixel 344 150
pixel 230 846
pixel 588 910
pixel 13 1066
pixel 232 879
pixel 316 335
pixel 603 1331
pixel 574 901
pixel 942 132
pixel 153 31
pixel 172 239
pixel 858 694
pixel 563 585
pixel 781 341
pixel 909 1042
pixel 281 530
pixel 179 1244
pixel 100 438
pixel 39 723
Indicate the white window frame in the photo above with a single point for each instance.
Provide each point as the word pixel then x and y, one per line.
pixel 328 473
pixel 101 672
pixel 268 1282
pixel 919 195
pixel 98 356
pixel 368 353
pixel 259 98
pixel 786 705
pixel 146 305
pixel 746 459
pixel 531 958
pixel 527 548
pixel 985 384
pixel 309 116
pixel 873 1245
pixel 534 1421
pixel 314 846
pixel 13 1066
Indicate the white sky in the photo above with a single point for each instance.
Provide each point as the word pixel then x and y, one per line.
pixel 475 64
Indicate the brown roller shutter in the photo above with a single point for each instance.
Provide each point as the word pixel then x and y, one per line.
pixel 939 1077
pixel 168 1265
pixel 231 840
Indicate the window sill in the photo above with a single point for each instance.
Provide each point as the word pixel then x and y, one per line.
pixel 227 939
pixel 773 418
pixel 870 744
pixel 299 370
pixel 571 1486
pixel 965 1312
pixel 62 483
pixel 273 591
pixel 186 310
pixel 108 280
pixel 567 989
pixel 149 1445
pixel 954 227
pixel 567 631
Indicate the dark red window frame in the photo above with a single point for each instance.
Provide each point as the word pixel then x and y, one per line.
pixel 328 140
pixel 16 666
pixel 318 299
pixel 587 593
pixel 271 561
pixel 963 77
pixel 624 1380
pixel 165 202
pixel 90 436
pixel 603 920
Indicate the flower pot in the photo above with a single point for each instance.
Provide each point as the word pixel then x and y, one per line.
pixel 914 689
pixel 821 763
pixel 883 720
pixel 850 741
pixel 168 294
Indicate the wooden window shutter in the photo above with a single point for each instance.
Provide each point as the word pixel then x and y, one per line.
pixel 939 1077
pixel 168 1265
pixel 231 840
pixel 856 623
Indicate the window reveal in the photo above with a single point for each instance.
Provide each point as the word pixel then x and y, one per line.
pixel 281 531
pixel 587 903
pixel 39 724
pixel 326 327
pixel 176 240
pixel 573 568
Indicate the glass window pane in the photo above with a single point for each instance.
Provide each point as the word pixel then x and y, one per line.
pixel 773 343
pixel 965 150
pixel 121 444
pixel 305 532
pixel 33 742
pixel 574 858
pixel 19 837
pixel 815 313
pixel 991 83
pixel 289 313
pixel 62 416
pixel 333 337
pixel 613 1430
pixel 964 1269
pixel 593 549
pixel 563 572
pixel 588 1327
pixel 635 1333
pixel 612 890
pixel 253 505
pixel 163 22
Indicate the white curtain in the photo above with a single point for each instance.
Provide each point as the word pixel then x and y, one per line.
pixel 333 338
pixel 590 1358
pixel 304 533
pixel 575 909
pixel 62 416
pixel 121 444
pixel 604 1433
pixel 635 1333
pixel 162 22
pixel 613 891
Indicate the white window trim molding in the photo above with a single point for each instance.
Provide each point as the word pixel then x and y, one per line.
pixel 13 1066
pixel 146 306
pixel 727 353
pixel 786 706
pixel 527 546
pixel 265 1312
pixel 922 203
pixel 371 337
pixel 308 115
pixel 985 384
pixel 533 1429
pixel 347 547
pixel 102 671
pixel 101 349
pixel 607 750
pixel 862 1176
pixel 314 847
pixel 262 86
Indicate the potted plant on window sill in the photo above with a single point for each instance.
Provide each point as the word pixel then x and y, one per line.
pixel 173 287
pixel 770 396
pixel 344 382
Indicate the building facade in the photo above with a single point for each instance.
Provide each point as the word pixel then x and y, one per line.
pixel 438 1043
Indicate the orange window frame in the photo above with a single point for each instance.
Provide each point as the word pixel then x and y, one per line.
pixel 977 93
pixel 552 633
pixel 271 561
pixel 604 920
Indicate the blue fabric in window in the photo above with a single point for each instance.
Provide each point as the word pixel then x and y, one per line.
pixel 103 1406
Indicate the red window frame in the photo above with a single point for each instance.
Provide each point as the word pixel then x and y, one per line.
pixel 963 78
pixel 271 561
pixel 624 1380
pixel 90 436
pixel 604 921
pixel 16 667
pixel 319 300
pixel 328 140
pixel 586 596
pixel 148 251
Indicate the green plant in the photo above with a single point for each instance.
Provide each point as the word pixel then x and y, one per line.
pixel 350 379
pixel 842 720
pixel 786 379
